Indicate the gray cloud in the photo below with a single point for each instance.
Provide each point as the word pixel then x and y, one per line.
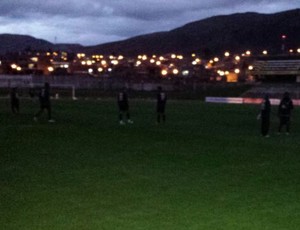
pixel 98 21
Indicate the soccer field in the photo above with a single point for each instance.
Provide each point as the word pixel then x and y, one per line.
pixel 206 168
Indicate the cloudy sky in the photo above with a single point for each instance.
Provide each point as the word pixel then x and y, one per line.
pixel 91 22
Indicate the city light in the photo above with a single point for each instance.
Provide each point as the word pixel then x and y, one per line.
pixel 175 71
pixel 250 67
pixel 227 54
pixel 35 59
pixel 50 69
pixel 14 66
pixel 164 72
pixel 265 52
pixel 237 71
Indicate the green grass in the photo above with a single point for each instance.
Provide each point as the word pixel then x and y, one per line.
pixel 206 168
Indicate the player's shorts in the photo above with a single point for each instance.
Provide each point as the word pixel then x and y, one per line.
pixel 160 108
pixel 123 107
pixel 284 120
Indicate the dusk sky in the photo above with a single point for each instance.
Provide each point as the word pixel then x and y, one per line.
pixel 92 22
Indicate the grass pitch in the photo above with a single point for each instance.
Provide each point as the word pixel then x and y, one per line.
pixel 206 168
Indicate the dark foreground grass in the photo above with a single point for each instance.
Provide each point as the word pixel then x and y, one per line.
pixel 207 168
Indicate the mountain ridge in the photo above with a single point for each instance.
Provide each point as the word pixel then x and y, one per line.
pixel 213 35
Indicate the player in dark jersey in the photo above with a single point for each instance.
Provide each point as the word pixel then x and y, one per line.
pixel 14 101
pixel 123 107
pixel 161 105
pixel 284 112
pixel 264 115
pixel 44 98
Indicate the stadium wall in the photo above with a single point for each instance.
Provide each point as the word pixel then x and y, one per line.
pixel 240 100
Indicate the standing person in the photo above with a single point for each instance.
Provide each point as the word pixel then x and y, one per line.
pixel 264 115
pixel 123 107
pixel 161 105
pixel 284 112
pixel 14 100
pixel 44 98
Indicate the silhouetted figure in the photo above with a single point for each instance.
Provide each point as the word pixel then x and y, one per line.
pixel 161 105
pixel 123 107
pixel 44 98
pixel 284 112
pixel 14 100
pixel 264 115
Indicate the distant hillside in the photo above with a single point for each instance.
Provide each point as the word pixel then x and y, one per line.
pixel 10 43
pixel 214 35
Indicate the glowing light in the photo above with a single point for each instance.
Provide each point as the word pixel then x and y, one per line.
pixel 250 67
pixel 13 66
pixel 89 62
pixel 237 71
pixel 185 73
pixel 34 59
pixel 91 70
pixel 180 57
pixel 164 72
pixel 226 54
pixel 248 52
pixel 50 69
pixel 237 58
pixel 175 71
pixel 194 63
pixel 138 63
pixel 80 55
pixel 83 63
pixel 120 57
pixel 114 62
pixel 19 68
pixel 173 56
pixel 152 61
pixel 161 58
pixel 221 73
pixel 265 52
pixel 100 69
pixel 216 59
pixel 144 58
pixel 66 66
pixel 158 63
pixel 298 50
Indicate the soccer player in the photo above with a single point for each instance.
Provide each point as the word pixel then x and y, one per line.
pixel 123 107
pixel 44 98
pixel 264 115
pixel 284 112
pixel 14 101
pixel 161 105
